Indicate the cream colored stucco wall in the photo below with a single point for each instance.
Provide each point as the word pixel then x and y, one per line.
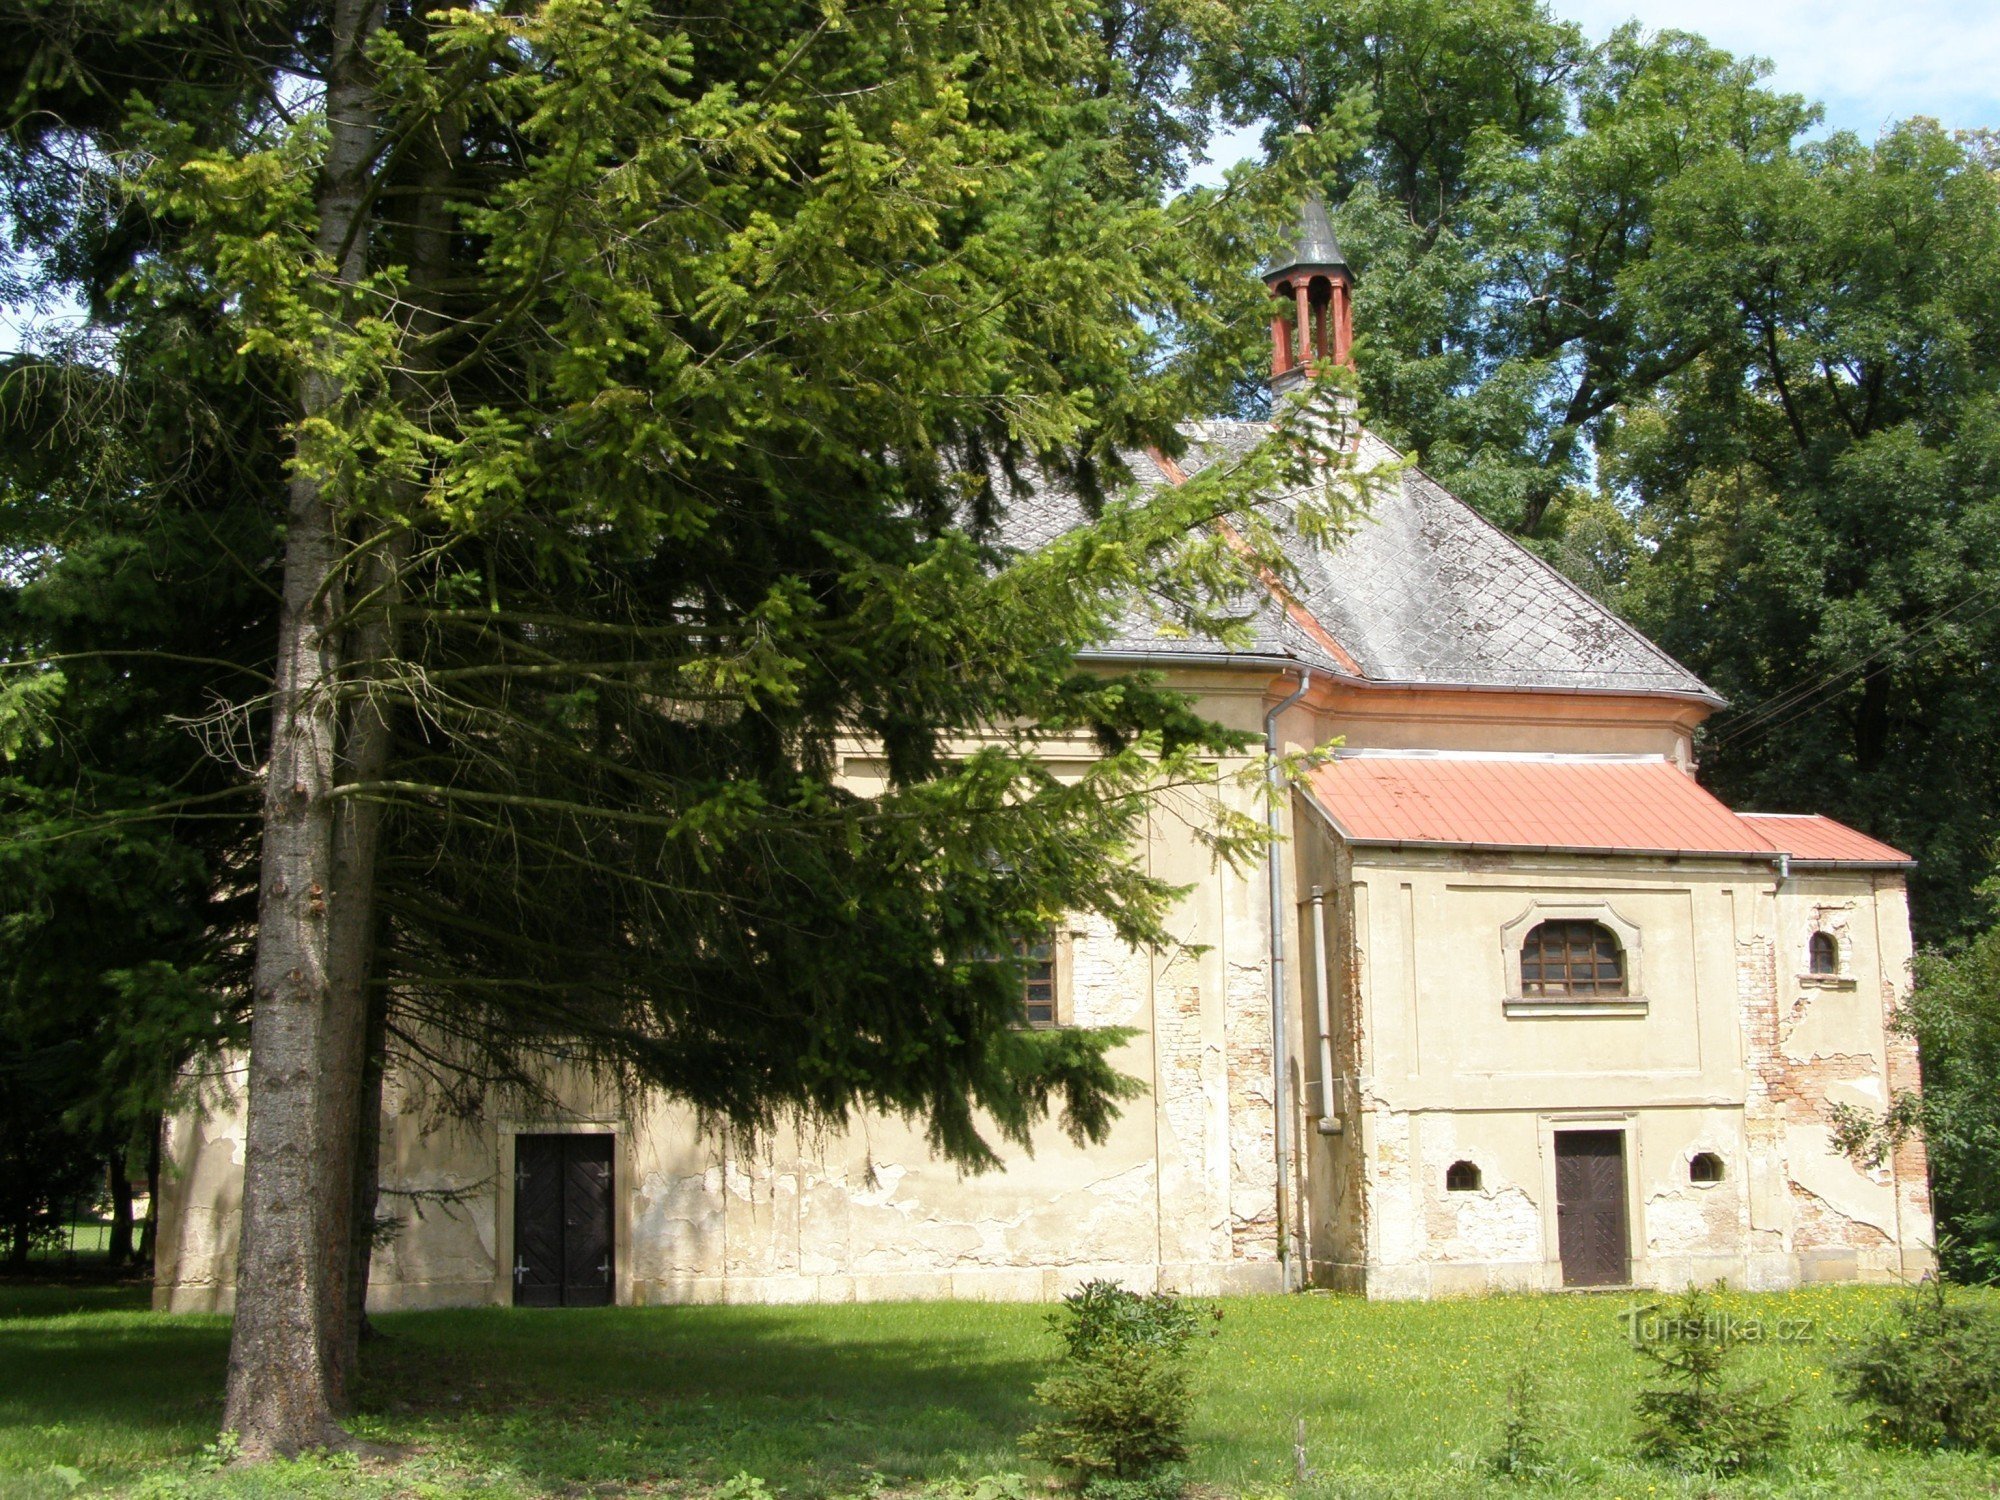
pixel 1733 1052
pixel 1181 1194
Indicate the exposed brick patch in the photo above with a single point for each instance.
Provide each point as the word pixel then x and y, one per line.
pixel 1910 1164
pixel 1757 994
pixel 1253 1167
pixel 1818 1225
pixel 1787 1097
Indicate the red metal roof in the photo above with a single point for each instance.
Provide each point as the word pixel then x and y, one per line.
pixel 1564 803
pixel 1811 838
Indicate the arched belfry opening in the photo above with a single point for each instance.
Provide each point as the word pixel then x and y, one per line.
pixel 1313 325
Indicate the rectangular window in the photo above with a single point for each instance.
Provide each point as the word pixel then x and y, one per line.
pixel 1038 981
pixel 1035 960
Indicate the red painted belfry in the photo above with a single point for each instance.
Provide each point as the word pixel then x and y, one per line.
pixel 1313 325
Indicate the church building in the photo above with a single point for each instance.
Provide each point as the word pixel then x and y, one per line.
pixel 1514 1004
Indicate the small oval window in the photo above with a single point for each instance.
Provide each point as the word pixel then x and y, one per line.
pixel 1705 1166
pixel 1461 1177
pixel 1823 954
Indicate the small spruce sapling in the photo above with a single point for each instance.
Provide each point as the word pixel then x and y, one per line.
pixel 1121 1400
pixel 1691 1417
pixel 1930 1376
pixel 1527 1431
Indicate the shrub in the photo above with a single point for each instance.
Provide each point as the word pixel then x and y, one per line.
pixel 1527 1433
pixel 1121 1400
pixel 1165 1483
pixel 1930 1377
pixel 1691 1417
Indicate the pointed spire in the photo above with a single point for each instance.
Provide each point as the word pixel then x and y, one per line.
pixel 1313 248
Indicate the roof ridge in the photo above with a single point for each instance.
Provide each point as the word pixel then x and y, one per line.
pixel 1287 598
pixel 1423 600
pixel 1592 602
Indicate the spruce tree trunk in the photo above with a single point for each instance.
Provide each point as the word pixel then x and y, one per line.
pixel 120 1248
pixel 427 255
pixel 299 1132
pixel 357 837
pixel 367 1182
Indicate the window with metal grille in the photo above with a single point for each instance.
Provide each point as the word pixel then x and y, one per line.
pixel 1461 1177
pixel 1705 1167
pixel 1038 980
pixel 1569 960
pixel 1037 960
pixel 1823 954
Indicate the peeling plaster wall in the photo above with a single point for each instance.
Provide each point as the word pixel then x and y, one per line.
pixel 1181 1194
pixel 1738 1051
pixel 201 1194
pixel 1812 1041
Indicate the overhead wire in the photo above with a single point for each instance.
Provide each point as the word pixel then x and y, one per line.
pixel 1809 695
pixel 1812 684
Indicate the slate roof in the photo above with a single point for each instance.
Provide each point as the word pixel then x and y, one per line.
pixel 1422 592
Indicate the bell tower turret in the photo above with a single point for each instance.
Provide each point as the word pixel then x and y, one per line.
pixel 1313 325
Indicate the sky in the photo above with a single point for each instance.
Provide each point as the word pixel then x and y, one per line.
pixel 1870 62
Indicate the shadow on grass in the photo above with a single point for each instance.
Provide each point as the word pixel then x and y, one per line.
pixel 812 1401
pixel 89 1372
pixel 53 1296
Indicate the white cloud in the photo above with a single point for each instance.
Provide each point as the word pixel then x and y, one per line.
pixel 1870 63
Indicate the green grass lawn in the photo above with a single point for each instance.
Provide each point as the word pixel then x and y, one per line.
pixel 97 1394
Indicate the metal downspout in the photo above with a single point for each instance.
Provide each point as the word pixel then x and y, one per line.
pixel 1281 1103
pixel 1329 1117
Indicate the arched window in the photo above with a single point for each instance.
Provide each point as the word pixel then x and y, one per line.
pixel 1461 1177
pixel 1704 1166
pixel 1823 954
pixel 1564 959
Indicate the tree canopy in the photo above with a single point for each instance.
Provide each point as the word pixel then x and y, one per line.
pixel 624 401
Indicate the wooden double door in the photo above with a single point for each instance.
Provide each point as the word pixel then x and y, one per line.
pixel 1591 1219
pixel 562 1220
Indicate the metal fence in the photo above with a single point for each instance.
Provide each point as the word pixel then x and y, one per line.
pixel 83 1239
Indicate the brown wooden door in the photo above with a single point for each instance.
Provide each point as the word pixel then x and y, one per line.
pixel 562 1220
pixel 1590 1207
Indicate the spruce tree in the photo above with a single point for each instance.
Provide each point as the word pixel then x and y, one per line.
pixel 645 388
